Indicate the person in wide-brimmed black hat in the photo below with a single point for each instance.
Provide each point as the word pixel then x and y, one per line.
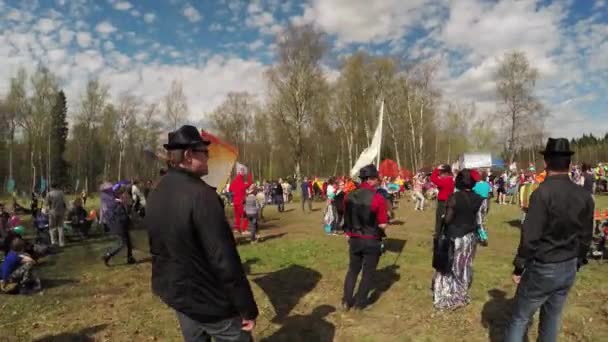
pixel 555 240
pixel 196 268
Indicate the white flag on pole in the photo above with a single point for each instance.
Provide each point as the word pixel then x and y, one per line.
pixel 372 151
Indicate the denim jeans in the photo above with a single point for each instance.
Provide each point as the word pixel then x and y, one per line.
pixel 543 286
pixel 253 225
pixel 122 240
pixel 228 330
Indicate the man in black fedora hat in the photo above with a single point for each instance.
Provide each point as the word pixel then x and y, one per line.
pixel 196 268
pixel 365 219
pixel 555 239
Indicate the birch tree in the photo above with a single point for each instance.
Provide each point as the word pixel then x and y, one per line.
pixel 176 106
pixel 295 82
pixel 518 107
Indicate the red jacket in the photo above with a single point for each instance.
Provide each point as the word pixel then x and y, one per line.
pixel 239 188
pixel 444 184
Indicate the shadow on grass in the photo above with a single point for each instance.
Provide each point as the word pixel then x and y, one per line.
pixel 311 327
pixel 246 240
pixel 288 210
pixel 396 223
pixel 286 287
pixel 514 223
pixel 51 283
pixel 383 280
pixel 248 263
pixel 496 314
pixel 394 245
pixel 83 335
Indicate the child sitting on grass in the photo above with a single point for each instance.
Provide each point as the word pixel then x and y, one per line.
pixel 78 219
pixel 252 210
pixel 17 274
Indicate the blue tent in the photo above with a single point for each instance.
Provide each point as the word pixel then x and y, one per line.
pixel 498 163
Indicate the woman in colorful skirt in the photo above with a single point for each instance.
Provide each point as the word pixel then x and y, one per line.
pixel 451 289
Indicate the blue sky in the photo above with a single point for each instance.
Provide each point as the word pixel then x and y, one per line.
pixel 214 47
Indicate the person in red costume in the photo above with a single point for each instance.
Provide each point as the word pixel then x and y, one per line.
pixel 238 188
pixel 442 177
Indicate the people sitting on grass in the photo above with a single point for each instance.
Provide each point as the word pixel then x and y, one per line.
pixel 78 219
pixel 17 273
pixel 41 226
pixel 9 236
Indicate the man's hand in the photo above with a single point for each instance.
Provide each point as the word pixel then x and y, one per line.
pixel 516 279
pixel 382 226
pixel 248 324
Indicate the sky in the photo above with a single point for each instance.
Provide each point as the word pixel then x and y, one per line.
pixel 215 47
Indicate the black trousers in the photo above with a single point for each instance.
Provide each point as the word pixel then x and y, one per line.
pixel 123 240
pixel 438 216
pixel 364 255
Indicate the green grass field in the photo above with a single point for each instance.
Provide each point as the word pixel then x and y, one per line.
pixel 297 275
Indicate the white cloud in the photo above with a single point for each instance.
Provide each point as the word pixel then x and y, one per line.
pixel 256 45
pixel 191 13
pixel 84 39
pixel 264 21
pixel 57 55
pixel 105 28
pixel 108 45
pixel 141 56
pixel 136 13
pixel 122 5
pixel 215 27
pixel 149 17
pixel 46 25
pixel 363 21
pixel 90 60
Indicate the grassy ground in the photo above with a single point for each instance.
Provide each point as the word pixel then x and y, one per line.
pixel 297 275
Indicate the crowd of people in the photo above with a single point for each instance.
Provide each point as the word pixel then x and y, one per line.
pixel 197 271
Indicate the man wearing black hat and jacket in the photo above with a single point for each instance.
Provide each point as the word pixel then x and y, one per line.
pixel 196 268
pixel 554 243
pixel 365 219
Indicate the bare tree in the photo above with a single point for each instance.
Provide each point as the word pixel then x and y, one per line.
pixel 295 83
pixel 233 119
pixel 17 107
pixel 126 115
pixel 176 106
pixel 93 104
pixel 518 106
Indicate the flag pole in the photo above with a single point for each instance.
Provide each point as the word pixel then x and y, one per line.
pixel 380 123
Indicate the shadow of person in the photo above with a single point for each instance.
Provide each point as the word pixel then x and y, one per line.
pixel 306 328
pixel 514 223
pixel 248 263
pixel 51 283
pixel 245 240
pixel 287 286
pixel 383 280
pixel 83 335
pixel 496 314
pixel 394 245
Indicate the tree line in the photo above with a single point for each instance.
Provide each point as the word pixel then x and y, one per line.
pixel 306 124
pixel 105 140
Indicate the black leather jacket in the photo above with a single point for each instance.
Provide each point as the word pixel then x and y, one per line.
pixel 196 268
